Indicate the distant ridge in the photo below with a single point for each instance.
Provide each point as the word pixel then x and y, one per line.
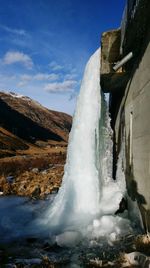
pixel 27 121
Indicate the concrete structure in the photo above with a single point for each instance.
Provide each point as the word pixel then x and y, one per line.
pixel 110 45
pixel 130 103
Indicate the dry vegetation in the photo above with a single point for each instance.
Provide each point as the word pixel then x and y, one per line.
pixel 37 173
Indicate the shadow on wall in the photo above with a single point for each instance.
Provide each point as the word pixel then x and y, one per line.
pixel 114 51
pixel 132 188
pixel 131 182
pixel 132 185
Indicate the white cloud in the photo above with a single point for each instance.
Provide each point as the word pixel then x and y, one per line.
pixel 60 87
pixel 12 57
pixel 26 77
pixel 44 76
pixel 70 76
pixel 6 77
pixel 55 66
pixel 13 31
pixel 21 84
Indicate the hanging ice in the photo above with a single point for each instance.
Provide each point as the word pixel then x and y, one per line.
pixel 87 192
pixel 86 203
pixel 79 195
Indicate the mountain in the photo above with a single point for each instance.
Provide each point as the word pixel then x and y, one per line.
pixel 30 121
pixel 10 143
pixel 33 143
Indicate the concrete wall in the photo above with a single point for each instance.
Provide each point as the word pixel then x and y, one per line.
pixel 110 54
pixel 133 116
pixel 133 121
pixel 130 105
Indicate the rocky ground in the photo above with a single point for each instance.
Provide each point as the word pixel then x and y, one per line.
pixel 128 252
pixel 32 175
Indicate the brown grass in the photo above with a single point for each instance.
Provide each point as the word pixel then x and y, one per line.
pixel 34 175
pixel 18 164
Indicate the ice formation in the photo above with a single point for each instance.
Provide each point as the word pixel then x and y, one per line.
pixel 88 197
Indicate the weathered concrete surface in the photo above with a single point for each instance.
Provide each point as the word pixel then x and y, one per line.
pixel 136 21
pixel 110 47
pixel 130 106
pixel 133 122
pixel 110 54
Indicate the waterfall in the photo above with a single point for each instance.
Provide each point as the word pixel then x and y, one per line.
pixel 79 196
pixel 89 197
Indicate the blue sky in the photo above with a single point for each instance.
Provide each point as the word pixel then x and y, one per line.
pixel 45 45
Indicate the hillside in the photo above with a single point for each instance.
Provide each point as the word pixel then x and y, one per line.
pixel 9 143
pixel 33 139
pixel 31 121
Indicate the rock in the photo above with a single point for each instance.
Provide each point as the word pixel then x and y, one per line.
pixel 36 192
pixel 136 258
pixel 55 190
pixel 35 170
pixel 44 172
pixel 10 179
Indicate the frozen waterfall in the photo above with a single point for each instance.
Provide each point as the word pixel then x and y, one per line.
pixel 88 197
pixel 79 195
